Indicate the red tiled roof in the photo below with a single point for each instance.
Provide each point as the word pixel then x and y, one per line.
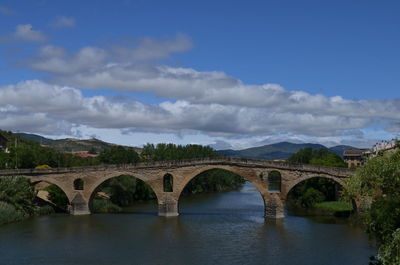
pixel 85 155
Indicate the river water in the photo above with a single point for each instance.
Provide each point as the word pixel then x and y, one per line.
pixel 222 228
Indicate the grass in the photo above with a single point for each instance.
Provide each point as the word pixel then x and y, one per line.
pixel 334 206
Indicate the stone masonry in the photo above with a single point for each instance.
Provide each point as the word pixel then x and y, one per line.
pixel 254 171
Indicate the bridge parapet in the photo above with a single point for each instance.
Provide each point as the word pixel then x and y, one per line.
pixel 242 162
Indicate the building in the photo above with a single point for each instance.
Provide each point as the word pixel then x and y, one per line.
pixel 3 144
pixel 384 146
pixel 354 158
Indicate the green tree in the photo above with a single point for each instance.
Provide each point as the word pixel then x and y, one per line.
pixel 322 157
pixel 378 184
pixel 57 196
pixel 119 155
pixel 309 192
pixel 18 192
pixel 124 190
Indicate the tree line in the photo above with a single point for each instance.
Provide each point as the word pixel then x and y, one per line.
pixel 121 190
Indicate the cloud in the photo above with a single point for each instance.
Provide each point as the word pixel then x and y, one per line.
pixel 63 22
pixel 95 68
pixel 68 105
pixel 25 32
pixel 6 11
pixel 207 102
pixel 55 60
pixel 148 48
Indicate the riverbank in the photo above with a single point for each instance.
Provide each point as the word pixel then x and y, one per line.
pixel 327 208
pixel 10 214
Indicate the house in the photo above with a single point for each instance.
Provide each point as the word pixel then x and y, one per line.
pixel 354 158
pixel 3 144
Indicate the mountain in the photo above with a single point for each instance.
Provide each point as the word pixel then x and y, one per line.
pixel 282 150
pixel 69 144
pixel 339 149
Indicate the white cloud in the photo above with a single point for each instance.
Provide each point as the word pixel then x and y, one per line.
pixel 68 105
pixel 210 103
pixel 25 32
pixel 63 22
pixel 94 68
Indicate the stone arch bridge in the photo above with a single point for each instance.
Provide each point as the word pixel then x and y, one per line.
pixel 179 173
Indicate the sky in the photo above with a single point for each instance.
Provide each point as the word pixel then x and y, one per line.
pixel 230 74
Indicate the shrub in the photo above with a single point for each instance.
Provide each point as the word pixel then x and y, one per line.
pixel 18 192
pixel 8 213
pixel 105 206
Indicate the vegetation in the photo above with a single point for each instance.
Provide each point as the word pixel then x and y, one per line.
pixel 334 206
pixel 57 196
pixel 316 193
pixel 164 152
pixel 104 206
pixel 28 154
pixel 122 190
pixel 213 181
pixel 321 157
pixel 125 190
pixel 118 155
pixel 17 200
pixel 377 186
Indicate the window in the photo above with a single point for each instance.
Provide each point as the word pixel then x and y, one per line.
pixel 274 181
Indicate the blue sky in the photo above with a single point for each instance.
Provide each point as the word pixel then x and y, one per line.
pixel 232 74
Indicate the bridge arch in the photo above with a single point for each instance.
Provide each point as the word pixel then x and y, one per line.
pixel 60 185
pixel 289 186
pixel 298 181
pixel 91 187
pixel 252 177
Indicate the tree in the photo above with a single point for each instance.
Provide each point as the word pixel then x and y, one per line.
pixel 119 155
pixel 18 192
pixel 322 157
pixel 314 190
pixel 378 183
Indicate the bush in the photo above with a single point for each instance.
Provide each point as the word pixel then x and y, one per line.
pixel 105 206
pixel 18 192
pixel 44 210
pixel 9 214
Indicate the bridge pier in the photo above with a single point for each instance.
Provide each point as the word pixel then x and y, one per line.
pixel 168 208
pixel 274 206
pixel 79 206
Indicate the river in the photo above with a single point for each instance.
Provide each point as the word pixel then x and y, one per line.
pixel 222 228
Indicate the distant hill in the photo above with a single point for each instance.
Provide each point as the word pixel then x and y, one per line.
pixel 69 144
pixel 282 150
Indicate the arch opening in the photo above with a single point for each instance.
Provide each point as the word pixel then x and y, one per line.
pixel 168 183
pixel 50 193
pixel 78 184
pixel 318 196
pixel 124 193
pixel 221 191
pixel 274 181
